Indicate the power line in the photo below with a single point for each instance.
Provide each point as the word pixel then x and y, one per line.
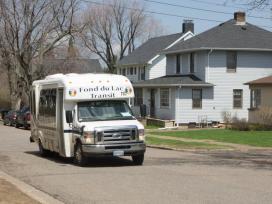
pixel 163 14
pixel 242 6
pixel 201 9
pixel 218 4
pixel 159 13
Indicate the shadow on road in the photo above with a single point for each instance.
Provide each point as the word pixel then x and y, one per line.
pixel 92 162
pixel 253 159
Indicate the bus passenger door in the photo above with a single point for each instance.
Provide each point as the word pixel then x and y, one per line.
pixel 60 122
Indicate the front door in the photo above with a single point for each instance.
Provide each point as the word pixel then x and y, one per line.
pixel 60 122
pixel 152 103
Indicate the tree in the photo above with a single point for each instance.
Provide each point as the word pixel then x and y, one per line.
pixel 112 30
pixel 30 29
pixel 259 4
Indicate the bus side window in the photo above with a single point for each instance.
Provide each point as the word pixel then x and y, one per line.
pixel 33 103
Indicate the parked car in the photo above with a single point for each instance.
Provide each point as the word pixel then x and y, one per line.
pixel 3 112
pixel 23 118
pixel 10 118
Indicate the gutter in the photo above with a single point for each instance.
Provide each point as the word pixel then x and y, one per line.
pixel 216 48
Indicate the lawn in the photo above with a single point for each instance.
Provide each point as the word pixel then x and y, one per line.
pixel 181 145
pixel 252 138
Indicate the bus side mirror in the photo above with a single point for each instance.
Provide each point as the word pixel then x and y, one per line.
pixel 69 116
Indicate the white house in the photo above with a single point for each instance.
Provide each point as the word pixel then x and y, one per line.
pixel 205 74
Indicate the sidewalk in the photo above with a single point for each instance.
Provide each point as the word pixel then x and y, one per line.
pixel 11 194
pixel 14 191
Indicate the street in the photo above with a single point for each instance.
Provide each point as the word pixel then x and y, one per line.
pixel 166 176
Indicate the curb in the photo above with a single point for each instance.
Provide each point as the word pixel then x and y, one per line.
pixel 29 190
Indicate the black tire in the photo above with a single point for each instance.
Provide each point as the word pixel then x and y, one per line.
pixel 43 152
pixel 26 127
pixel 79 158
pixel 138 159
pixel 17 125
pixel 4 123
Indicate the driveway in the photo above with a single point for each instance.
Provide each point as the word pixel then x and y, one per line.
pixel 166 177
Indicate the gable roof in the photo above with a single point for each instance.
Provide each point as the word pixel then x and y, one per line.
pixel 173 81
pixel 149 49
pixel 261 81
pixel 228 35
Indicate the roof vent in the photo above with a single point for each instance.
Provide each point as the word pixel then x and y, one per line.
pixel 240 18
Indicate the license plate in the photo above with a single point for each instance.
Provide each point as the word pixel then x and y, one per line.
pixel 118 153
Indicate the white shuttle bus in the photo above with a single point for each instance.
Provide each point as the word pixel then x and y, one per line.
pixel 82 115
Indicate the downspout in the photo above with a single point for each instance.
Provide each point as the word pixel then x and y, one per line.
pixel 208 68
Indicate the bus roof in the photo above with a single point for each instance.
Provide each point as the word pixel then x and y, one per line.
pixel 89 86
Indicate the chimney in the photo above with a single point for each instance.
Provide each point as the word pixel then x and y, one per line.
pixel 187 25
pixel 240 18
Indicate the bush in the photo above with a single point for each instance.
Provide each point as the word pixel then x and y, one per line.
pixel 260 127
pixel 240 124
pixel 243 125
pixel 226 118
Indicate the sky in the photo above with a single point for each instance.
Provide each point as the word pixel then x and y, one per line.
pixel 173 24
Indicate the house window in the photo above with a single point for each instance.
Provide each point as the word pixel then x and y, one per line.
pixel 164 97
pixel 178 64
pixel 197 98
pixel 124 72
pixel 135 70
pixel 237 98
pixel 231 61
pixel 138 100
pixel 131 70
pixel 142 73
pixel 255 98
pixel 192 62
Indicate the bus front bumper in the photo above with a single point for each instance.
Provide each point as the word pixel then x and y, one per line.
pixel 124 149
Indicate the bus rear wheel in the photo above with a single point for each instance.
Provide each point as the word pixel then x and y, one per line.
pixel 43 152
pixel 79 158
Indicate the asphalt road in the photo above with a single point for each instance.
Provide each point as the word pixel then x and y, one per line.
pixel 166 177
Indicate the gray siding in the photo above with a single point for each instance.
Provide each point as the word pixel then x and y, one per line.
pixel 250 66
pixel 184 111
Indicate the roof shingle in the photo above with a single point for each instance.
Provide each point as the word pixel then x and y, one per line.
pixel 149 49
pixel 228 35
pixel 261 81
pixel 173 80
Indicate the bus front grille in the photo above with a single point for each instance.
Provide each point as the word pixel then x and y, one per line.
pixel 116 135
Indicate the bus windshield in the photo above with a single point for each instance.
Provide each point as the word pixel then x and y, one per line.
pixel 104 110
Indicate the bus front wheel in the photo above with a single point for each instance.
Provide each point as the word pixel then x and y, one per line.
pixel 138 159
pixel 79 158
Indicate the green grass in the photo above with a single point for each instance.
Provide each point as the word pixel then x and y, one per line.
pixel 252 138
pixel 180 144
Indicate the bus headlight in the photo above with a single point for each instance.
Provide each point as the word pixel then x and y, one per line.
pixel 141 135
pixel 88 137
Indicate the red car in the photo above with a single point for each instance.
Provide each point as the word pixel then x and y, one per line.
pixel 10 118
pixel 23 118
